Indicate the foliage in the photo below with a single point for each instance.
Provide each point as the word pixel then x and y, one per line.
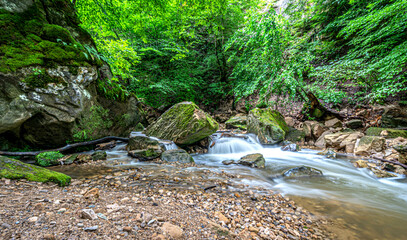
pixel 89 127
pixel 47 159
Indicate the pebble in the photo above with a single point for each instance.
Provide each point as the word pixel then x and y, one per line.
pixel 32 219
pixel 62 210
pixel 172 230
pixel 100 215
pixel 88 214
pixel 91 229
pixel 127 229
pixel 49 237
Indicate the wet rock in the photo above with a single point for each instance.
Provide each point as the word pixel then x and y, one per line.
pixel 354 124
pixel 184 123
pixel 88 214
pixel 145 154
pixel 176 155
pixel 361 164
pixel 302 171
pixel 333 123
pixel 370 144
pixel 291 147
pixel 253 160
pixel 139 142
pixel 267 124
pixel 343 140
pixel 329 153
pixel 228 162
pixel 295 135
pixel 381 173
pixel 172 230
pixel 99 155
pixel 320 142
pixel 238 121
pixel 83 158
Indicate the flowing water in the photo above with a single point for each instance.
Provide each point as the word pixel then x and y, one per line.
pixel 360 205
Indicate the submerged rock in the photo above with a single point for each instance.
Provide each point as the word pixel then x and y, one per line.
pixel 145 154
pixel 329 153
pixel 143 142
pixel 99 155
pixel 253 160
pixel 14 169
pixel 268 125
pixel 176 155
pixel 292 147
pixel 239 122
pixel 302 171
pixel 184 124
pixel 228 162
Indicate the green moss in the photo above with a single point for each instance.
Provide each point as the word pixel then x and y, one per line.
pixel 46 159
pixel 268 124
pixel 57 33
pixel 14 169
pixel 392 133
pixel 295 135
pixel 40 79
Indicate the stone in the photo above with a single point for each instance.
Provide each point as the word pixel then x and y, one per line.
pixel 354 124
pixel 333 123
pixel 291 147
pixel 228 162
pixel 99 155
pixel 92 193
pixel 91 229
pixel 239 122
pixel 176 155
pixel 402 151
pixel 105 146
pixel 302 171
pixel 386 132
pixel 14 169
pixel 317 130
pixel 128 229
pixel 329 153
pixel 222 218
pixel 184 124
pixel 32 219
pixel 145 154
pixel 49 237
pixel 394 116
pixel 361 164
pixel 46 159
pixel 320 142
pixel 172 230
pixel 295 135
pixel 342 140
pixel 83 158
pixel 88 214
pixel 370 144
pixel 253 160
pixel 290 121
pixel 267 124
pixel 141 142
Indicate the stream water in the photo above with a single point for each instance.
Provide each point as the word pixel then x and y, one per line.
pixel 361 205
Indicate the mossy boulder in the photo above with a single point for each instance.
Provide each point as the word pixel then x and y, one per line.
pixel 14 169
pixel 184 124
pixel 47 159
pixel 370 144
pixel 269 125
pixel 386 132
pixel 295 135
pixel 145 154
pixel 239 122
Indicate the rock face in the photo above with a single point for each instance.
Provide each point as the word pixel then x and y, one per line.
pixel 302 172
pixel 370 144
pixel 253 160
pixel 47 76
pixel 239 122
pixel 343 140
pixel 184 124
pixel 267 124
pixel 176 155
pixel 14 169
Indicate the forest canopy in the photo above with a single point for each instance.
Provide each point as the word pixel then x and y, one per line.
pixel 165 52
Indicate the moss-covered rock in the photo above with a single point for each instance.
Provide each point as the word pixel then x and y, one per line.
pixel 268 125
pixel 295 135
pixel 47 159
pixel 145 154
pixel 239 122
pixel 14 169
pixel 184 124
pixel 386 132
pixel 176 155
pixel 369 145
pixel 255 160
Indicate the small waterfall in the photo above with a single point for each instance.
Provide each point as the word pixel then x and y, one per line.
pixel 233 144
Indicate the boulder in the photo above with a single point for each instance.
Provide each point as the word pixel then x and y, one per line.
pixel 228 162
pixel 48 78
pixel 320 142
pixel 14 169
pixel 184 124
pixel 354 124
pixel 46 159
pixel 368 145
pixel 386 132
pixel 290 121
pixel 317 130
pixel 140 142
pixel 267 124
pixel 395 116
pixel 343 140
pixel 176 155
pixel 145 154
pixel 173 231
pixel 402 151
pixel 253 160
pixel 302 171
pixel 333 123
pixel 295 135
pixel 239 122
pixel 291 147
pixel 329 153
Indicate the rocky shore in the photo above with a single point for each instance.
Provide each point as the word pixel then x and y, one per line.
pixel 171 203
